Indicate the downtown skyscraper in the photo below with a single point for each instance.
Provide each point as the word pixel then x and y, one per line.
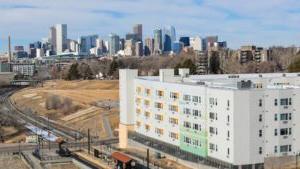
pixel 138 30
pixel 61 38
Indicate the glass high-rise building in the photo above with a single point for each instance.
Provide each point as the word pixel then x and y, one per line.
pixel 185 40
pixel 157 41
pixel 87 43
pixel 114 44
pixel 138 30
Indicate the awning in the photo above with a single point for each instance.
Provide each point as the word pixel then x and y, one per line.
pixel 121 157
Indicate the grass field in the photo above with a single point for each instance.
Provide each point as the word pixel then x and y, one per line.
pixel 84 95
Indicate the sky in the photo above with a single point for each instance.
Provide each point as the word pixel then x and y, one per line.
pixel 239 22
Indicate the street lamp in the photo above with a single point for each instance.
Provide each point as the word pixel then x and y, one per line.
pixel 297 154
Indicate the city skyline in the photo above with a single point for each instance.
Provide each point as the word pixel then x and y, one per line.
pixel 263 23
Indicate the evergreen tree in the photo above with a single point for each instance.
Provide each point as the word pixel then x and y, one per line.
pixel 73 73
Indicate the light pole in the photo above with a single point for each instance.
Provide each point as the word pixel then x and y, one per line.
pixel 297 154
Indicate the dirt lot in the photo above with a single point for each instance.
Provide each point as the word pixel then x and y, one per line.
pixel 62 166
pixel 12 162
pixel 83 94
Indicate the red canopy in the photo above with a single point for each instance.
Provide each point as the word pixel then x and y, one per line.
pixel 121 157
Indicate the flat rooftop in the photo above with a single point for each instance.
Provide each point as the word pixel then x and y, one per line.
pixel 236 81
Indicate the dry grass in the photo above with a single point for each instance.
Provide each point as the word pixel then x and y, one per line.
pixel 12 162
pixel 82 93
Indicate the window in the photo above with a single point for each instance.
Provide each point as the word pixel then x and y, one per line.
pixel 228 151
pixel 275 117
pixel 174 95
pixel 284 131
pixel 290 148
pixel 284 149
pixel 228 118
pixel 284 102
pixel 228 103
pixel 159 131
pixel 275 132
pixel 138 101
pixel 284 116
pixel 275 102
pixel 187 98
pixel 173 120
pixel 260 118
pixel 275 149
pixel 173 135
pixel 158 105
pixel 195 99
pixel 187 124
pixel 196 126
pixel 211 130
pixel 212 146
pixel 290 116
pixel 147 92
pixel 147 114
pixel 290 101
pixel 187 111
pixel 211 101
pixel 196 113
pixel 187 140
pixel 138 124
pixel 195 142
pixel 173 108
pixel 138 111
pixel 260 150
pixel 228 134
pixel 159 117
pixel 260 103
pixel 159 93
pixel 138 90
pixel 212 115
pixel 260 133
pixel 147 103
pixel 147 127
pixel 290 131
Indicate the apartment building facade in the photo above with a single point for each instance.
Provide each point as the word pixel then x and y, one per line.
pixel 236 120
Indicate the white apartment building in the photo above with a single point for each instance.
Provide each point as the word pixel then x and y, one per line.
pixel 61 38
pixel 233 120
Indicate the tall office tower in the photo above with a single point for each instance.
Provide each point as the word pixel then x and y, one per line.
pixel 87 43
pixel 177 47
pixel 139 48
pixel 52 37
pixel 129 48
pixel 138 29
pixel 210 41
pixel 198 44
pixel 61 38
pixel 157 41
pixel 9 50
pixel 168 37
pixel 74 46
pixel 114 44
pixel 149 46
pixel 122 44
pixel 185 40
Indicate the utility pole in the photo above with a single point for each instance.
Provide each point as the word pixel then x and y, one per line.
pixel 89 140
pixel 148 159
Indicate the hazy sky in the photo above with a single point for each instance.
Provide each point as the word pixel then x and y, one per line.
pixel 239 22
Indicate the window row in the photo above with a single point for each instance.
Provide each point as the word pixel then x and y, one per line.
pixel 283 116
pixel 191 141
pixel 195 112
pixel 195 99
pixel 194 126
